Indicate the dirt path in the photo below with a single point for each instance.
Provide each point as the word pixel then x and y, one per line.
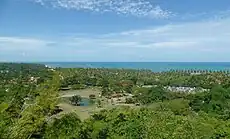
pixel 83 93
pixel 70 95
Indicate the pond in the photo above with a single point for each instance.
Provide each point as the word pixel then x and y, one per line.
pixel 86 102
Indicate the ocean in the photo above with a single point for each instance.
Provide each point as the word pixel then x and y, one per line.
pixel 154 66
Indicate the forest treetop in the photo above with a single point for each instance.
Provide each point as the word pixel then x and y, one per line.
pixel 29 94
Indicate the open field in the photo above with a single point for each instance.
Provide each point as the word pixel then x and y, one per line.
pixel 82 111
pixel 83 93
pixel 85 111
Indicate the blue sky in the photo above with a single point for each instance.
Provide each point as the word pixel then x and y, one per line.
pixel 115 30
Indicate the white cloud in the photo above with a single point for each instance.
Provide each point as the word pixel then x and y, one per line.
pixel 195 41
pixel 174 44
pixel 211 34
pixel 139 8
pixel 17 43
pixel 21 40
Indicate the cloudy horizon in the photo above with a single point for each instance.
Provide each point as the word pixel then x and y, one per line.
pixel 114 30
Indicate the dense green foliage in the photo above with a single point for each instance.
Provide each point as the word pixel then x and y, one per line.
pixel 21 79
pixel 145 123
pixel 68 126
pixel 29 96
pixel 123 80
pixel 24 102
pixel 75 100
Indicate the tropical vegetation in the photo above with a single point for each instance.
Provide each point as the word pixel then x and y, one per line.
pixel 29 96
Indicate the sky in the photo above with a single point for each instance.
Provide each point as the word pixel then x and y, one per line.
pixel 115 30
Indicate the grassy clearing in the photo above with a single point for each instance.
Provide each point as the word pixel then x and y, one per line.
pixel 83 93
pixel 83 111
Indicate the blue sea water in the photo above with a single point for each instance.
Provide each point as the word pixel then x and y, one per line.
pixel 154 66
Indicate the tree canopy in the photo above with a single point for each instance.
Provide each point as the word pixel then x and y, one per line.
pixel 29 94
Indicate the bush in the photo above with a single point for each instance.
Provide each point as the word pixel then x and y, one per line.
pixel 129 101
pixel 75 100
pixel 66 127
pixel 78 86
pixel 92 96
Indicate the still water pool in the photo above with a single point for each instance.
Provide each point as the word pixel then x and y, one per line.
pixel 86 102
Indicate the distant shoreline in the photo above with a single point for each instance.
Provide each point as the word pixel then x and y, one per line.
pixel 154 66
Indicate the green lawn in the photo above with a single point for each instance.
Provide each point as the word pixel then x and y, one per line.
pixel 84 92
pixel 83 111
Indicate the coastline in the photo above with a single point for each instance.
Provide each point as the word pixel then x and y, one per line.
pixel 153 66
